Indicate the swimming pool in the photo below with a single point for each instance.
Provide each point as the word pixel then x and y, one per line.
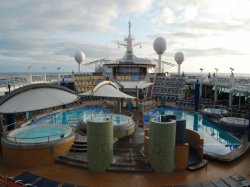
pixel 215 140
pixel 36 145
pixel 71 117
pixel 216 111
pixel 123 125
pixel 39 133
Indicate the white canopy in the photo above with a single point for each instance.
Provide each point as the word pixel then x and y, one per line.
pixel 135 84
pixel 107 89
pixel 37 99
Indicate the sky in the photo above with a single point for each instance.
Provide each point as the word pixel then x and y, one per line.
pixel 210 33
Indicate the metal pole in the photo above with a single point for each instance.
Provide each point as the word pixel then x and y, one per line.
pixel 159 64
pixel 179 69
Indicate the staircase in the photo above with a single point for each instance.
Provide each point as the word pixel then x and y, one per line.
pixel 79 147
pixel 128 158
pixel 195 160
pixel 77 155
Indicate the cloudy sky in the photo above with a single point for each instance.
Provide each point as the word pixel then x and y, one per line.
pixel 210 33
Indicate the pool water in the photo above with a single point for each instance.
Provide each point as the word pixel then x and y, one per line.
pixel 39 133
pixel 215 111
pixel 215 140
pixel 71 117
pixel 115 118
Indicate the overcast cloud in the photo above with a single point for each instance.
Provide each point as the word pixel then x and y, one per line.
pixel 210 33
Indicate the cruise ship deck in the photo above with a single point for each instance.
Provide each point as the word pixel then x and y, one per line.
pixel 131 87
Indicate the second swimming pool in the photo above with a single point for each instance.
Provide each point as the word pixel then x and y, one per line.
pixel 215 140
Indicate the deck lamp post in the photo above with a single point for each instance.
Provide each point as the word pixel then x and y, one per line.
pixel 215 86
pixel 231 87
pixel 44 74
pixel 216 70
pixel 58 75
pixel 201 69
pixel 30 76
pixel 232 69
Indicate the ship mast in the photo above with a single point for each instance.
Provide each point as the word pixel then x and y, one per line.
pixel 128 44
pixel 129 39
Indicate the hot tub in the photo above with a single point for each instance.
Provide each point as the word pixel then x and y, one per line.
pixel 36 145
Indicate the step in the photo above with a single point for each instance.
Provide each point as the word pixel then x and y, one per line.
pixel 71 162
pixel 78 149
pixel 71 159
pixel 79 146
pixel 200 165
pixel 80 142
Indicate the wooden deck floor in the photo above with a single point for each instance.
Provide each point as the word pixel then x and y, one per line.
pixel 72 175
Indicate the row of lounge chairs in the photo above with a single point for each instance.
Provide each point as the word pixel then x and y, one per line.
pixel 166 98
pixel 184 104
pixel 31 180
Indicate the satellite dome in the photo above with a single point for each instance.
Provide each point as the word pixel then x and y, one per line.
pixel 160 45
pixel 79 57
pixel 179 57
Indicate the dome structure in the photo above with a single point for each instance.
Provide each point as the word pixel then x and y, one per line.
pixel 160 45
pixel 179 57
pixel 79 57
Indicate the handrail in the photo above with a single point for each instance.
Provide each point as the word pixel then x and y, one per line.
pixel 38 137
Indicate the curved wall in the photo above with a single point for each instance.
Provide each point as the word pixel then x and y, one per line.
pixel 180 131
pixel 100 145
pixel 21 155
pixel 162 146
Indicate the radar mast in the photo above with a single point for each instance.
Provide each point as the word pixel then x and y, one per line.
pixel 128 43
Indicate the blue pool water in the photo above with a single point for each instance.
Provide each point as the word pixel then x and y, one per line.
pixel 39 133
pixel 71 117
pixel 215 140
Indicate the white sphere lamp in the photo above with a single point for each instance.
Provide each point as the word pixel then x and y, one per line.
pixel 179 58
pixel 79 57
pixel 160 46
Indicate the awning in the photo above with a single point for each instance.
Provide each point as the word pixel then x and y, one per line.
pixel 135 84
pixel 36 98
pixel 107 89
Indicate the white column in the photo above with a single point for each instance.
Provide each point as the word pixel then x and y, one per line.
pixel 159 64
pixel 179 69
pixel 44 77
pixel 80 68
pixel 59 78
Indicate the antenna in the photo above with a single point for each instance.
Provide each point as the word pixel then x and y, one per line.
pixel 129 27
